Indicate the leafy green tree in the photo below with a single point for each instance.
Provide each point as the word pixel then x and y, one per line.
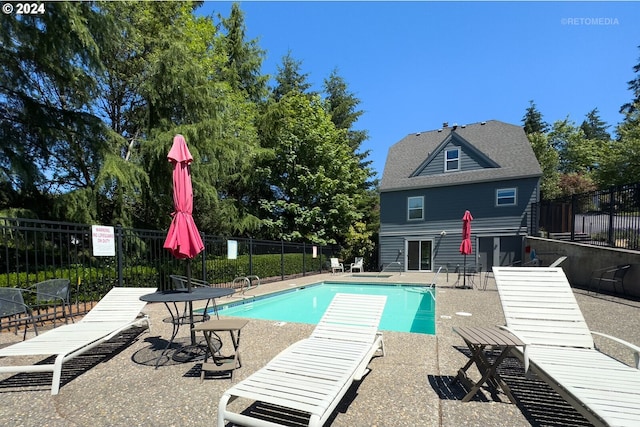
pixel 532 120
pixel 549 160
pixel 577 153
pixel 314 180
pixel 621 161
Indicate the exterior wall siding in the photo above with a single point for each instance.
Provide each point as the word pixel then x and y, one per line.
pixel 444 208
pixel 467 161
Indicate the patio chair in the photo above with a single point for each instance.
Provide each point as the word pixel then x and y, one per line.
pixel 182 283
pixel 357 264
pixel 313 375
pixel 336 265
pixel 16 311
pixel 54 292
pixel 613 275
pixel 541 310
pixel 116 312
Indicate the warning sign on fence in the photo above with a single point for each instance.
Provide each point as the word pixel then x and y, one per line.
pixel 103 239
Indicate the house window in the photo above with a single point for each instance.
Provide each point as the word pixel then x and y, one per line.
pixel 452 160
pixel 415 208
pixel 506 197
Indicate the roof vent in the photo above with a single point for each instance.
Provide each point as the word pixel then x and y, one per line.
pixel 463 126
pixel 445 125
pixel 440 130
pixel 455 125
pixel 418 134
pixel 483 123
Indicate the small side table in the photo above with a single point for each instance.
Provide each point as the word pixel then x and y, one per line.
pixel 477 339
pixel 221 363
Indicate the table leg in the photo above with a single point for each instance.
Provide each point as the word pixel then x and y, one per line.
pixel 488 372
pixel 175 322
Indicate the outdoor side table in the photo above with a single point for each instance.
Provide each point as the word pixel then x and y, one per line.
pixel 221 363
pixel 477 339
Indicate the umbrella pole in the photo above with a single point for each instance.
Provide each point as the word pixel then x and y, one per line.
pixel 464 272
pixel 193 333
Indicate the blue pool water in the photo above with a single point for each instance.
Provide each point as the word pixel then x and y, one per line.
pixel 409 308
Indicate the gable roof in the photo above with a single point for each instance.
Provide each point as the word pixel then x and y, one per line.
pixel 504 146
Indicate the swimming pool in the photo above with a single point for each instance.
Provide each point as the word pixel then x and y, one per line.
pixel 409 308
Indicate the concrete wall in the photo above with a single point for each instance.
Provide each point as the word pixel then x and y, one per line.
pixel 583 259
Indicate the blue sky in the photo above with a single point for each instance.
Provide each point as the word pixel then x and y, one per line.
pixel 415 65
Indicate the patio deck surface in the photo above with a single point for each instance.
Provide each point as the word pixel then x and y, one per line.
pixel 117 385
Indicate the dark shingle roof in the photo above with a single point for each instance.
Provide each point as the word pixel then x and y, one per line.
pixel 505 144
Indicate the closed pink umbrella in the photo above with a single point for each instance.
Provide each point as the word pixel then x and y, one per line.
pixel 465 246
pixel 183 239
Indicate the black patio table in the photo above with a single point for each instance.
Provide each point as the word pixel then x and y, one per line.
pixel 171 298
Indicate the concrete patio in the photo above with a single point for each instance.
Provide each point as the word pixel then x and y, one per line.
pixel 117 385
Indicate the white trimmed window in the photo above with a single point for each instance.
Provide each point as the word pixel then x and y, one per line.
pixel 506 197
pixel 415 208
pixel 452 160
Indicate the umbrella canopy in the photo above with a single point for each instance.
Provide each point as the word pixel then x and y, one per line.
pixel 183 239
pixel 465 246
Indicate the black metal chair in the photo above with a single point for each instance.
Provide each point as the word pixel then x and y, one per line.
pixel 16 311
pixel 54 292
pixel 613 275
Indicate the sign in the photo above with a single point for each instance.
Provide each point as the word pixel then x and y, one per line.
pixel 103 240
pixel 232 249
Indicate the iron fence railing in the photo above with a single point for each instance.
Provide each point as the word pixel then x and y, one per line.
pixel 605 217
pixel 35 250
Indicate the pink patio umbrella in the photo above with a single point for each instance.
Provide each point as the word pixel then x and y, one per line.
pixel 465 246
pixel 183 239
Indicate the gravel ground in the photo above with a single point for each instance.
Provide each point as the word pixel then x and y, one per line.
pixel 117 385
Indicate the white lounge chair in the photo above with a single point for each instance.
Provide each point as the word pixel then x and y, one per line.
pixel 314 374
pixel 357 264
pixel 540 309
pixel 336 265
pixel 117 311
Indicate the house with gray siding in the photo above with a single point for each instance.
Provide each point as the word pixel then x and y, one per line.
pixel 431 178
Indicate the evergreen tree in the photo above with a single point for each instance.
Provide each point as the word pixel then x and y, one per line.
pixel 634 87
pixel 532 120
pixel 243 59
pixel 52 141
pixel 342 106
pixel 594 128
pixel 289 78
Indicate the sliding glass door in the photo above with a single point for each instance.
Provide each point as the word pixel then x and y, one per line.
pixel 419 255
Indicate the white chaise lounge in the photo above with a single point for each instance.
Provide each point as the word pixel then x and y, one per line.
pixel 313 375
pixel 540 308
pixel 117 311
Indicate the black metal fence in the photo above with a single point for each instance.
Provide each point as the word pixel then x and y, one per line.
pixel 34 250
pixel 604 217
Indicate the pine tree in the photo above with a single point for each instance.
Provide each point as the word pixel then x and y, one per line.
pixel 634 87
pixel 289 78
pixel 594 128
pixel 532 120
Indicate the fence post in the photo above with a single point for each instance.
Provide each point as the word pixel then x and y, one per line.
pixel 204 256
pixel 304 257
pixel 119 254
pixel 282 258
pixel 573 217
pixel 251 256
pixel 611 215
